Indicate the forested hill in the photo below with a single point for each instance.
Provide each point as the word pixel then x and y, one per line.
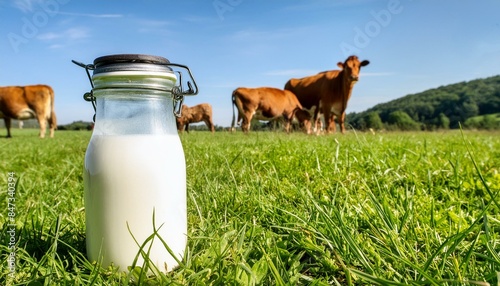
pixel 473 104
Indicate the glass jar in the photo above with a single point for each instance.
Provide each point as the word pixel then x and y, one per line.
pixel 135 171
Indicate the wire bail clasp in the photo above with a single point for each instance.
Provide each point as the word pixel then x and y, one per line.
pixel 178 99
pixel 177 91
pixel 88 96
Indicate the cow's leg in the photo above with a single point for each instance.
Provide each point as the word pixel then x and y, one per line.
pixel 341 122
pixel 327 118
pixel 7 121
pixel 288 122
pixel 210 125
pixel 329 121
pixel 306 126
pixel 52 124
pixel 318 125
pixel 43 119
pixel 316 121
pixel 187 127
pixel 332 127
pixel 287 125
pixel 43 127
pixel 240 119
pixel 245 124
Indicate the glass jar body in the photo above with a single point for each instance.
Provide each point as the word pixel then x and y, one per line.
pixel 135 181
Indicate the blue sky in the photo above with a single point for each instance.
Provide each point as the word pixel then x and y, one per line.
pixel 412 45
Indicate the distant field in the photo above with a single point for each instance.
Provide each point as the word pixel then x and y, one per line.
pixel 274 209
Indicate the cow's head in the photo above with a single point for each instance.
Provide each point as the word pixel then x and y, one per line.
pixel 304 118
pixel 352 66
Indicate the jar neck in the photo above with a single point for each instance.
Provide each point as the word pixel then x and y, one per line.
pixel 133 111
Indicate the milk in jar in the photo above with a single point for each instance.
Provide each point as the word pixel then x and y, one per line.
pixel 123 193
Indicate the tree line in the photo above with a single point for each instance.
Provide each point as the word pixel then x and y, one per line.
pixel 474 104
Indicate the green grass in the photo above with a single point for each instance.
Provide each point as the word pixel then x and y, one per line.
pixel 277 209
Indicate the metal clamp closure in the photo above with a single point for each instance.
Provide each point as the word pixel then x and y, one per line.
pixel 177 91
pixel 88 96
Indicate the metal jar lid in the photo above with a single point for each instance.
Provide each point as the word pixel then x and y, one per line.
pixel 131 62
pixel 139 71
pixel 133 71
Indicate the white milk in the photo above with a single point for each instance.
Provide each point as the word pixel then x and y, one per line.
pixel 126 178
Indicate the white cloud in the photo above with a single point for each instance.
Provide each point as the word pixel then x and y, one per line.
pixel 56 46
pixel 77 33
pixel 49 36
pixel 62 39
pixel 153 23
pixel 92 15
pixel 71 33
pixel 152 26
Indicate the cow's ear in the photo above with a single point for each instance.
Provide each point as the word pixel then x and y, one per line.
pixel 365 63
pixel 340 65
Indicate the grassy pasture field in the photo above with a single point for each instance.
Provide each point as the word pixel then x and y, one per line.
pixel 275 209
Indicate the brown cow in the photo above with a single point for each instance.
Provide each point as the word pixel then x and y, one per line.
pixel 26 102
pixel 329 91
pixel 197 113
pixel 269 102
